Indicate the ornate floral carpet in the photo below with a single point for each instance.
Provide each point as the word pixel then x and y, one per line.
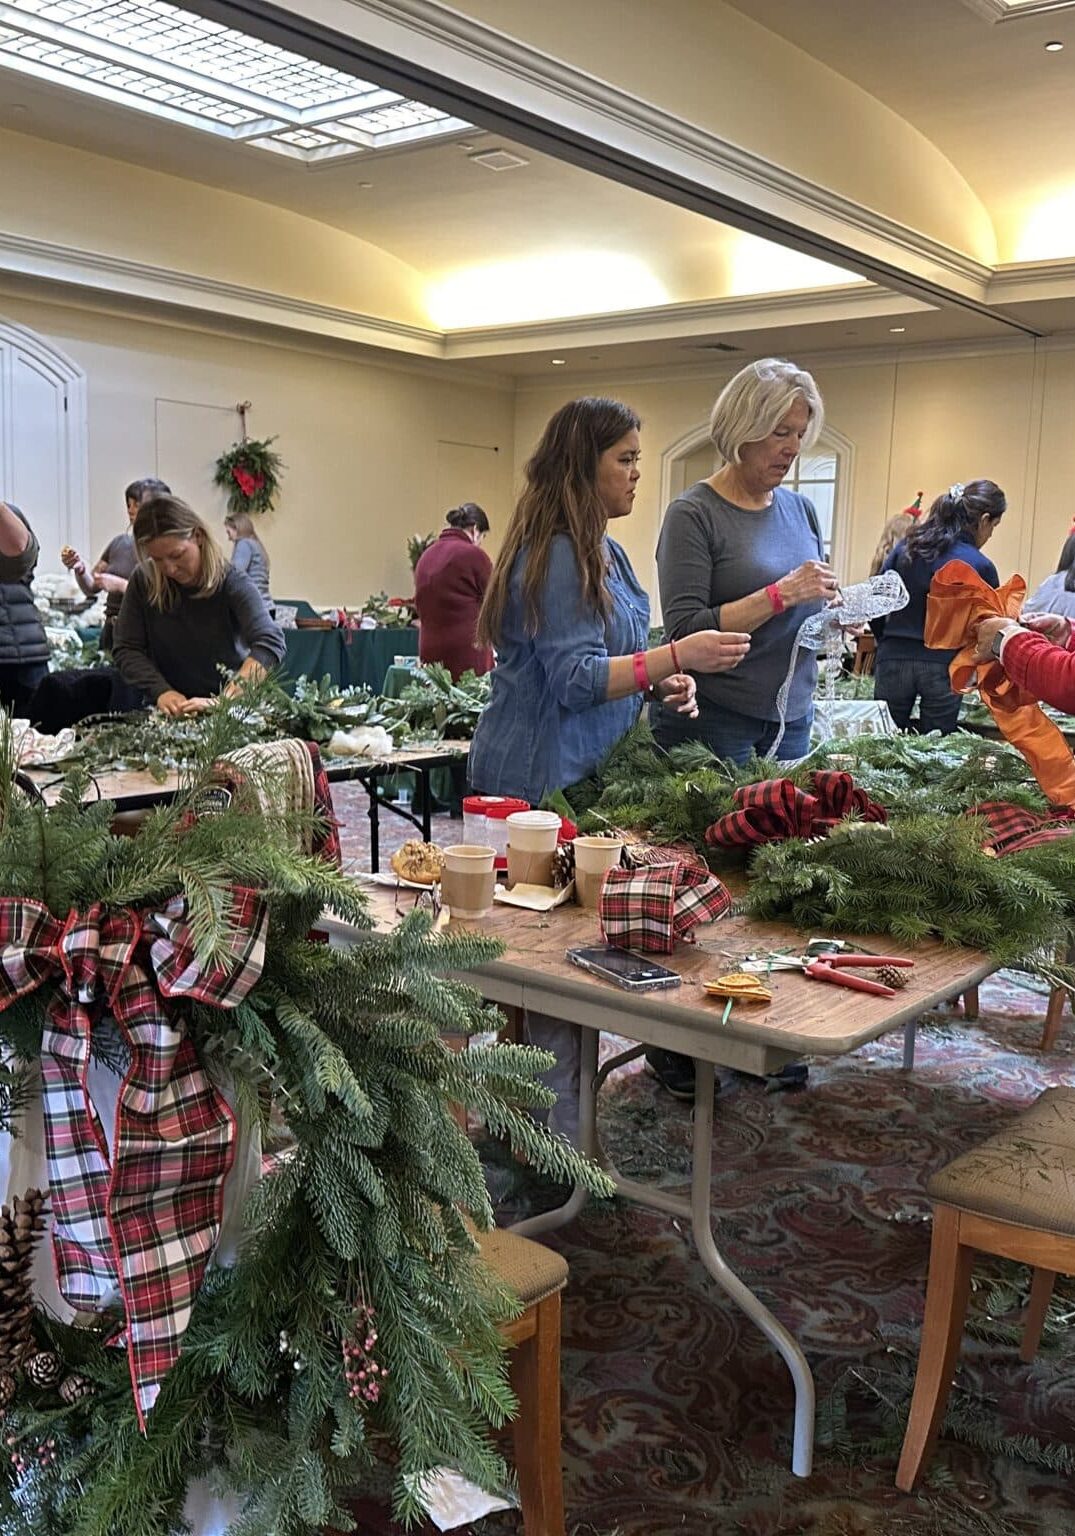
pixel 677 1413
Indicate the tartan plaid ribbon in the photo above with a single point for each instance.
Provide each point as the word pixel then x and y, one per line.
pixel 774 810
pixel 649 909
pixel 143 1222
pixel 1012 828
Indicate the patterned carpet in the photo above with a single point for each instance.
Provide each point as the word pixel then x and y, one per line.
pixel 677 1413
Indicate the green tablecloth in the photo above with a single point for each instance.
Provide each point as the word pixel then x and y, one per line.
pixel 350 657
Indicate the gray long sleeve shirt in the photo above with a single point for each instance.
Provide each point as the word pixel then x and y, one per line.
pixel 711 552
pixel 183 647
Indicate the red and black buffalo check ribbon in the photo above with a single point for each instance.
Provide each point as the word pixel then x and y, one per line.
pixel 142 1221
pixel 649 909
pixel 1012 828
pixel 775 810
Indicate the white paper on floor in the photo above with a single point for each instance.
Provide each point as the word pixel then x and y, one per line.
pixel 451 1500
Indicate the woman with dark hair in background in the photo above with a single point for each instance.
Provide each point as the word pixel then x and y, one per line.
pixel 1057 592
pixel 449 584
pixel 571 625
pixel 118 558
pixel 959 524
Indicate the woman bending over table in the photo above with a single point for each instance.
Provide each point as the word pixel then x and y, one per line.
pixel 739 551
pixel 570 625
pixel 187 614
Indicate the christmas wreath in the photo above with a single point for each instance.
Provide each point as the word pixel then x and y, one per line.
pixel 354 1318
pixel 250 473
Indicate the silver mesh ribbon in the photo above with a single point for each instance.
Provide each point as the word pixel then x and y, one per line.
pixel 824 631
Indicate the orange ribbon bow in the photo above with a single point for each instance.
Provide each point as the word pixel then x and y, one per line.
pixel 958 601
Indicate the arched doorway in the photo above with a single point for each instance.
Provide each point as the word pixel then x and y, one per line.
pixel 43 439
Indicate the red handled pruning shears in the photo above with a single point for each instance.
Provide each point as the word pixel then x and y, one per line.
pixel 829 967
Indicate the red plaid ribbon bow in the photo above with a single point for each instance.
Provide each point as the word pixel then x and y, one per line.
pixel 649 909
pixel 145 1221
pixel 1013 829
pixel 775 810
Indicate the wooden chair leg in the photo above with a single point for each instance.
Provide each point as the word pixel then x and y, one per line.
pixel 1041 1293
pixel 535 1379
pixel 970 1003
pixel 950 1265
pixel 1054 1015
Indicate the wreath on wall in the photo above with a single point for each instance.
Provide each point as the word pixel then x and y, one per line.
pixel 250 474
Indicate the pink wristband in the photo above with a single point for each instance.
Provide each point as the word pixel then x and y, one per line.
pixel 773 593
pixel 641 675
pixel 675 655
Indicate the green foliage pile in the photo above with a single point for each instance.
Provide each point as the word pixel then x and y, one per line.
pixel 432 705
pixel 365 1204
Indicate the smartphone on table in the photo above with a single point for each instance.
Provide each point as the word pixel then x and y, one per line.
pixel 623 968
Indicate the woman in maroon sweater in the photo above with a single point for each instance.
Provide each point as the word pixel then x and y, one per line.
pixel 1039 655
pixel 449 583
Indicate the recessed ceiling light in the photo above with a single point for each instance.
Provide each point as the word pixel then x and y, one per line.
pixel 559 362
pixel 897 330
pixel 497 160
pixel 363 186
pixel 1054 47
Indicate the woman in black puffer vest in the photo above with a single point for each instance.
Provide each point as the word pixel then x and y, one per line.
pixel 24 651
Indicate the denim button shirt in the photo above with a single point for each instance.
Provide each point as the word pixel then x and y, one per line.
pixel 548 722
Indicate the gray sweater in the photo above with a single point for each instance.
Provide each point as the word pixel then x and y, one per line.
pixel 183 647
pixel 251 556
pixel 711 552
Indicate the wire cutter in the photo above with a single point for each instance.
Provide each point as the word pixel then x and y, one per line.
pixel 825 960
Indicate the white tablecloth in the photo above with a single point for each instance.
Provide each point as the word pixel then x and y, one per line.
pixel 838 719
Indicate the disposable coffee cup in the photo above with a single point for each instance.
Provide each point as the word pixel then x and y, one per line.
pixel 532 837
pixel 594 857
pixel 467 879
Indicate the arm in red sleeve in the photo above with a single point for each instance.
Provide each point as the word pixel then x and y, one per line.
pixel 1043 669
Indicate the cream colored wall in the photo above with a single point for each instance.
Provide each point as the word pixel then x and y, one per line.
pixel 360 441
pixel 911 425
pixel 112 208
pixel 719 69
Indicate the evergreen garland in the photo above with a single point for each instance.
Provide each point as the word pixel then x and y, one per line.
pixel 364 1206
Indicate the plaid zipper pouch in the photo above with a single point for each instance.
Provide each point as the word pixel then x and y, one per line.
pixel 649 909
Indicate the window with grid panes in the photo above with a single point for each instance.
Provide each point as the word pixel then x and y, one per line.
pixel 815 475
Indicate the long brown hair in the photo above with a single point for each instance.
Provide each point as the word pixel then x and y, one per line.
pixel 560 496
pixel 166 517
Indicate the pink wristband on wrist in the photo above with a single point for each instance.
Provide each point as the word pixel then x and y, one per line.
pixel 641 674
pixel 675 656
pixel 774 595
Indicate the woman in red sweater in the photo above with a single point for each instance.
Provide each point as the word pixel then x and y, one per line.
pixel 1038 654
pixel 449 583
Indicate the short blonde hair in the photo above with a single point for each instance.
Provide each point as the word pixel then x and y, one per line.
pixel 168 517
pixel 752 405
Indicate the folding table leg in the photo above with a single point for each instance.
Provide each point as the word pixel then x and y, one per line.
pixel 802 1454
pixel 375 821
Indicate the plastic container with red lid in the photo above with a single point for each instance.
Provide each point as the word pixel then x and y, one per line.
pixel 485 821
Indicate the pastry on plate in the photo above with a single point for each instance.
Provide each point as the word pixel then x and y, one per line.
pixel 420 863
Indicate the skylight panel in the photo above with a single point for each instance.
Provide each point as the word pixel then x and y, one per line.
pixel 159 58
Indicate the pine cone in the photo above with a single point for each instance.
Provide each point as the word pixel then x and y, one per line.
pixel 563 865
pixel 892 976
pixel 21 1225
pixel 44 1369
pixel 8 1388
pixel 75 1387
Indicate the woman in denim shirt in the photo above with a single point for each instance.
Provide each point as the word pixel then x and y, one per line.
pixel 569 622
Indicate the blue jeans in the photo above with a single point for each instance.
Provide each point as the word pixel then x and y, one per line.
pixel 729 735
pixel 902 678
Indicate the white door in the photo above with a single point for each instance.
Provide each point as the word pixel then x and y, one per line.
pixel 42 427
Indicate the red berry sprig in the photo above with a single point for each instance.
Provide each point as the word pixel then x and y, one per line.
pixel 364 1375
